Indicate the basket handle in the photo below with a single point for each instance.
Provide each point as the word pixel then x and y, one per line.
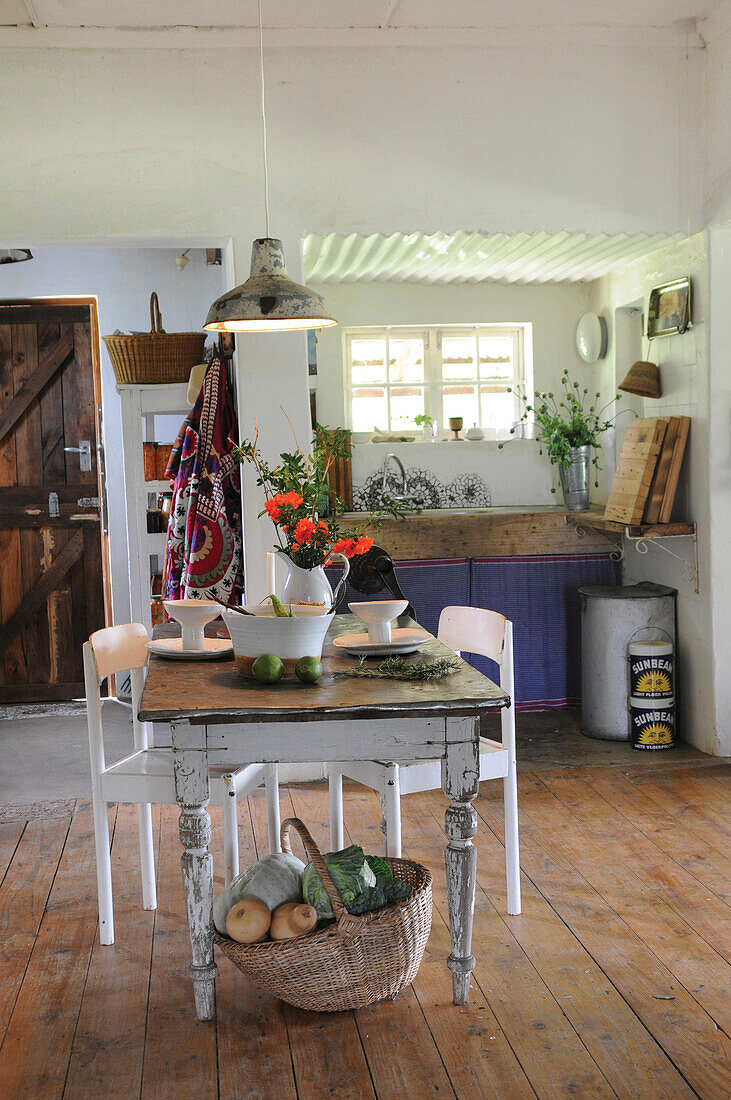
pixel 155 315
pixel 347 922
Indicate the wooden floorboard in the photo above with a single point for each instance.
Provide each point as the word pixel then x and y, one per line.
pixel 551 844
pixel 180 1051
pixel 611 982
pixel 36 1051
pixel 108 1049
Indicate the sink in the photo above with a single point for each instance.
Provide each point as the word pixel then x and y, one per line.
pixel 452 511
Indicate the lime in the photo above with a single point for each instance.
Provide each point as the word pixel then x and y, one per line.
pixel 267 669
pixel 308 669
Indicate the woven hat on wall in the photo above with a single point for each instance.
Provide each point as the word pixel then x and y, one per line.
pixel 642 378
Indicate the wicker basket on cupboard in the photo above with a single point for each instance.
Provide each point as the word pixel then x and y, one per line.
pixel 351 963
pixel 157 356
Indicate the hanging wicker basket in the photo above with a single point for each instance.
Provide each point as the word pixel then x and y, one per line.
pixel 156 356
pixel 351 963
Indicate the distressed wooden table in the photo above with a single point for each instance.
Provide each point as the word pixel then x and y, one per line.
pixel 217 716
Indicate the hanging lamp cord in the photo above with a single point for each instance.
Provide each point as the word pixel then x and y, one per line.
pixel 263 121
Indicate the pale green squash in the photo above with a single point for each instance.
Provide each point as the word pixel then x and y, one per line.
pixel 275 879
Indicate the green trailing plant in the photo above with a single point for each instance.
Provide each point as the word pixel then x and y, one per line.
pixel 423 421
pixel 565 421
pixel 398 668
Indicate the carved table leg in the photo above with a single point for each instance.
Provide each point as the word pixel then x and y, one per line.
pixel 191 790
pixel 460 781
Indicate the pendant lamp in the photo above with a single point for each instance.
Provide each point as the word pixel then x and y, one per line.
pixel 15 255
pixel 268 301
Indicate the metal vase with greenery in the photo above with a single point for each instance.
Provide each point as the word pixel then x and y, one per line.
pixel 569 430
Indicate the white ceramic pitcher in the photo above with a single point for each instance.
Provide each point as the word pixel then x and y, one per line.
pixel 311 586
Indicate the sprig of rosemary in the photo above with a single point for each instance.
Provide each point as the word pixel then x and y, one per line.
pixel 398 668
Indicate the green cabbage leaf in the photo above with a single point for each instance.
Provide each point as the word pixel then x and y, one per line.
pixel 365 883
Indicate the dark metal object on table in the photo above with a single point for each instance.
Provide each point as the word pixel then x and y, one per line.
pixel 373 572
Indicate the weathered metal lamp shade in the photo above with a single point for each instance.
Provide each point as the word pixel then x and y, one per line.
pixel 642 378
pixel 268 301
pixel 15 255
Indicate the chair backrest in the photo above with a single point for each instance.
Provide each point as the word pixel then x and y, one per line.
pixel 117 648
pixel 473 630
pixel 114 649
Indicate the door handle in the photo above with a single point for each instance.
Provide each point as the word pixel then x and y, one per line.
pixel 84 452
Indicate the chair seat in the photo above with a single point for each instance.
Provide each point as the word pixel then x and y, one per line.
pixel 147 776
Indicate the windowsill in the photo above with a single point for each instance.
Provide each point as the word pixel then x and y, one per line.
pixel 442 440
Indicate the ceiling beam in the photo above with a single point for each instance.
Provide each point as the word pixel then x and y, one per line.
pixel 391 11
pixel 309 38
pixel 30 7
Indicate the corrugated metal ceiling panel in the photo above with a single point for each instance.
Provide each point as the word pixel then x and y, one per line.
pixel 472 257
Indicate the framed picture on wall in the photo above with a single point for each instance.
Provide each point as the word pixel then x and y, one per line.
pixel 668 312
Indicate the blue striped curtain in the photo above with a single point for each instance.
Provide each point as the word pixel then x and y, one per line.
pixel 538 594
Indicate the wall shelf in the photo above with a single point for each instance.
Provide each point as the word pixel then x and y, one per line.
pixel 140 405
pixel 643 535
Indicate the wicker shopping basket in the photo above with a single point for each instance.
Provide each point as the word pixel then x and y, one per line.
pixel 156 356
pixel 353 962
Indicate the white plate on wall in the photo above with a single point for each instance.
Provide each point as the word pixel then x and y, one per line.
pixel 403 640
pixel 172 648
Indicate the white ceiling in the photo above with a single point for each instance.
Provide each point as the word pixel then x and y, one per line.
pixel 365 14
pixel 471 257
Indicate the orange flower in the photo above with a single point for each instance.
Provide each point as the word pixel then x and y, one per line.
pixel 322 527
pixel 273 509
pixel 304 530
pixel 363 545
pixel 343 546
pixel 291 498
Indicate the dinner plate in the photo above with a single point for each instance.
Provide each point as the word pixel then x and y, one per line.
pixel 172 648
pixel 403 640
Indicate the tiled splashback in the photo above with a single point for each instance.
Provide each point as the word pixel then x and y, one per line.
pixel 466 490
pixel 455 475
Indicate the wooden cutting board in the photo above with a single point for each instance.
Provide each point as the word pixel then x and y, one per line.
pixel 660 479
pixel 635 470
pixel 340 478
pixel 676 462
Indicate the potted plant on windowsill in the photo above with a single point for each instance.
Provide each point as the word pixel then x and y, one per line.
pixel 429 426
pixel 569 431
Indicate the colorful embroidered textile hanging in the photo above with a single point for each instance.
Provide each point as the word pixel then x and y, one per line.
pixel 203 554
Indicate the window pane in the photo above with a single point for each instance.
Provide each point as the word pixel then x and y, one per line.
pixel 368 361
pixel 460 401
pixel 458 357
pixel 406 403
pixel 498 408
pixel 496 357
pixel 406 362
pixel 370 409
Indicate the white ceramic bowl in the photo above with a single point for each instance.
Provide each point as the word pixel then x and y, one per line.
pixel 192 616
pixel 289 639
pixel 377 615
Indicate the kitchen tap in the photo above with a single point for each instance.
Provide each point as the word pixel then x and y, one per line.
pixel 403 494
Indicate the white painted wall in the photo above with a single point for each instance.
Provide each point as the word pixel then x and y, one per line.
pixel 715 118
pixel 720 479
pixel 522 137
pixel 122 280
pixel 516 474
pixel 684 370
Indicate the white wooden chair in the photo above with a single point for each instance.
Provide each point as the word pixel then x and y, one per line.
pixel 472 630
pixel 146 775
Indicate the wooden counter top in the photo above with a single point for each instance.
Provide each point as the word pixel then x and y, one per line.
pixel 484 533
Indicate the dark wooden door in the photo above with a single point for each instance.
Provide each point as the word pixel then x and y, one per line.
pixel 53 573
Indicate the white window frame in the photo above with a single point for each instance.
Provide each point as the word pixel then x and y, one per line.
pixel 434 383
